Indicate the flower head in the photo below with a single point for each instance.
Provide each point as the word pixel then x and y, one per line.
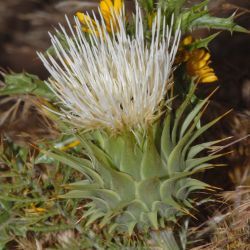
pixel 197 62
pixel 113 81
pixel 198 66
pixel 109 12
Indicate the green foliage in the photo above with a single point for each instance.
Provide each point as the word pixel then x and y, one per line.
pixel 196 17
pixel 147 5
pixel 171 7
pixel 211 22
pixel 204 42
pixel 28 195
pixel 29 181
pixel 24 83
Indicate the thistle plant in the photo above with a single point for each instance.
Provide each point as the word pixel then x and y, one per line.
pixel 115 86
pixel 139 152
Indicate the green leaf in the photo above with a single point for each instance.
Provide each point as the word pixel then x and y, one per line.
pixel 207 21
pixel 147 5
pixel 4 217
pixel 192 163
pixel 109 196
pixel 166 142
pixel 123 184
pixel 81 185
pixel 176 158
pixel 200 147
pixel 136 207
pixel 96 215
pixel 151 164
pixel 82 165
pixel 180 111
pixel 152 216
pixel 24 83
pixel 131 225
pixel 171 6
pixel 187 186
pixel 148 191
pixel 202 130
pixel 47 229
pixel 165 240
pixel 191 116
pixel 187 16
pixel 167 191
pixel 204 42
pixel 131 157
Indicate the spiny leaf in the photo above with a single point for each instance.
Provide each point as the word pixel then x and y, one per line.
pixel 167 191
pixel 131 225
pixel 82 165
pixel 81 185
pixel 207 21
pixel 192 163
pixel 24 83
pixel 96 215
pixel 109 196
pixel 203 129
pixel 180 112
pixel 191 116
pixel 152 216
pixel 166 142
pixel 151 165
pixel 188 185
pixel 204 42
pixel 149 186
pixel 131 158
pixel 193 151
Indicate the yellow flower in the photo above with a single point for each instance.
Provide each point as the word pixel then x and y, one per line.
pixel 197 62
pixel 198 66
pixel 183 54
pixel 187 41
pixel 109 10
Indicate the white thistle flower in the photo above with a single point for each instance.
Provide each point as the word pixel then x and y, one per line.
pixel 112 81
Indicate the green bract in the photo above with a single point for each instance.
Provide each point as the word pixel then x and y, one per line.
pixel 142 180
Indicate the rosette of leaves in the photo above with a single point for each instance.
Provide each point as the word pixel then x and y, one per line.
pixel 141 181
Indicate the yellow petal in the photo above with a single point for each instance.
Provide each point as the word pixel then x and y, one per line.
pixel 206 57
pixel 106 7
pixel 109 3
pixel 80 16
pixel 85 19
pixel 118 6
pixel 209 78
pixel 198 54
pixel 205 70
pixel 195 65
pixel 187 40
